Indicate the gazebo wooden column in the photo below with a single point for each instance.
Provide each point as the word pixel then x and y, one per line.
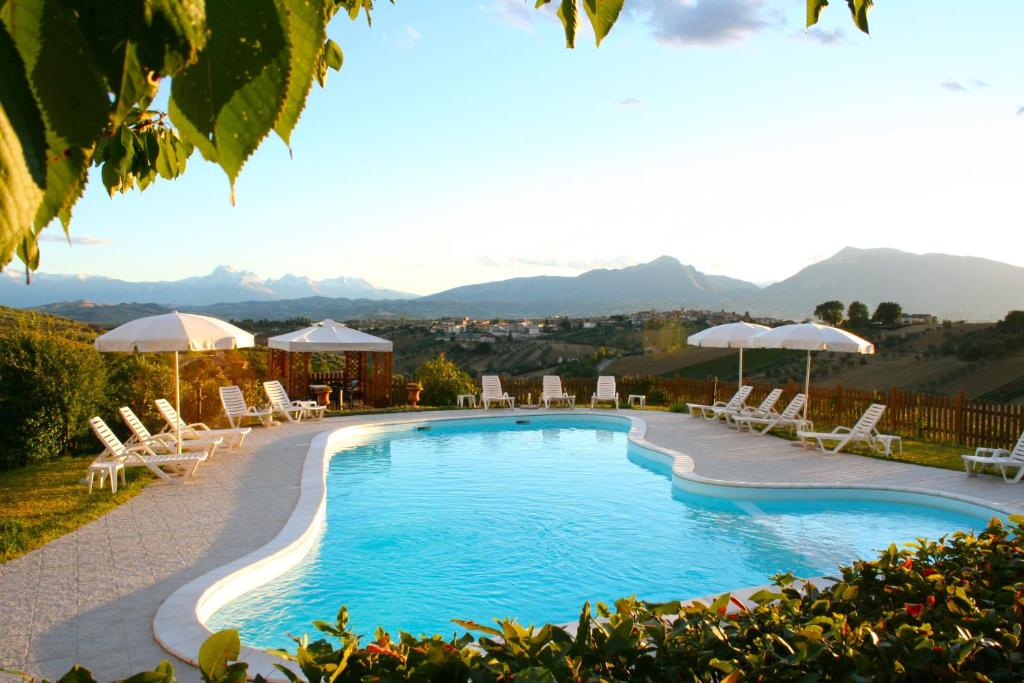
pixel 292 370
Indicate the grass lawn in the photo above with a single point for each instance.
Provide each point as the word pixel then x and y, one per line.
pixel 44 501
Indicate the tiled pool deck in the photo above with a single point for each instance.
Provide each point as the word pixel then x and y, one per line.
pixel 90 596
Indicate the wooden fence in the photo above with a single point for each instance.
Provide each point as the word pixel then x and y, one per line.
pixel 929 417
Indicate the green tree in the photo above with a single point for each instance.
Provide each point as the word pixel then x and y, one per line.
pixel 443 381
pixel 887 313
pixel 858 314
pixel 79 78
pixel 830 311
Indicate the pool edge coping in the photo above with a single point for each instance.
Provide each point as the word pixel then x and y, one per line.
pixel 179 624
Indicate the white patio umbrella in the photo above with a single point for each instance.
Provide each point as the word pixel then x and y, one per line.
pixel 729 336
pixel 174 332
pixel 328 335
pixel 812 337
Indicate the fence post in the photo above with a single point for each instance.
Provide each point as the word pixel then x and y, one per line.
pixel 958 417
pixel 839 403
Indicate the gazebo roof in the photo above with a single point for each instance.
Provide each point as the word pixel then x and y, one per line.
pixel 328 335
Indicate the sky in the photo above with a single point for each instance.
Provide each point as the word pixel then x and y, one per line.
pixel 462 142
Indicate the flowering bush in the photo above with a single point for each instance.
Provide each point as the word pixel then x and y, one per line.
pixel 950 610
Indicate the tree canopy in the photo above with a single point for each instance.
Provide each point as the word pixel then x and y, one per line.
pixel 80 76
pixel 830 312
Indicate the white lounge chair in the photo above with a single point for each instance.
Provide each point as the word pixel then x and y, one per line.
pixel 789 418
pixel 237 411
pixel 999 458
pixel 491 392
pixel 280 402
pixel 552 392
pixel 765 409
pixel 707 411
pixel 605 391
pixel 165 442
pixel 862 432
pixel 141 454
pixel 233 437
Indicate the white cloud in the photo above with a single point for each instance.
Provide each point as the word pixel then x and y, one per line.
pixel 825 36
pixel 630 102
pixel 956 86
pixel 81 239
pixel 404 38
pixel 953 86
pixel 515 13
pixel 709 23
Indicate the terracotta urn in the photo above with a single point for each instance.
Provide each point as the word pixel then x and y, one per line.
pixel 414 389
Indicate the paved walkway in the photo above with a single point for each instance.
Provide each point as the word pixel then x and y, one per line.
pixel 90 596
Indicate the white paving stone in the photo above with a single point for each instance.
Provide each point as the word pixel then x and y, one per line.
pixel 91 595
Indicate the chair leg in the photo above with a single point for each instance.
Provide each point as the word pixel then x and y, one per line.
pixel 92 476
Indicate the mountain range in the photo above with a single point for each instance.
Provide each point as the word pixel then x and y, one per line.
pixel 953 287
pixel 223 285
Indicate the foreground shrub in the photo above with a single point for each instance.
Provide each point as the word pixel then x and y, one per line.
pixel 49 388
pixel 443 381
pixel 939 611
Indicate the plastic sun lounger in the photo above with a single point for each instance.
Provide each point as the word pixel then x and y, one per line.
pixel 789 418
pixel 765 409
pixel 999 458
pixel 734 403
pixel 492 393
pixel 280 402
pixel 165 442
pixel 553 393
pixel 605 392
pixel 142 455
pixel 233 438
pixel 862 432
pixel 236 410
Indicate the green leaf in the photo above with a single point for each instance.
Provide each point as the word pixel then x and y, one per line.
pixel 859 9
pixel 65 79
pixel 22 153
pixel 72 95
pixel 229 100
pixel 307 31
pixel 569 13
pixel 814 8
pixel 474 626
pixel 77 674
pixel 216 652
pixel 603 15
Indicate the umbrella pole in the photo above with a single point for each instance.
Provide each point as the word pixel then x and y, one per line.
pixel 807 385
pixel 740 384
pixel 177 400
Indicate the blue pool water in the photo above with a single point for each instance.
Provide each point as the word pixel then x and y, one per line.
pixel 530 521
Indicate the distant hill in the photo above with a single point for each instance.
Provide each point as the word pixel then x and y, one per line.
pixel 952 287
pixel 664 283
pixel 103 315
pixel 223 285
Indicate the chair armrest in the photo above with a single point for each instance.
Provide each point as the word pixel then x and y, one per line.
pixel 198 425
pixel 993 452
pixel 840 430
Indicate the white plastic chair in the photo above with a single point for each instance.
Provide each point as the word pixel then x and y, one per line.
pixel 552 392
pixel 164 442
pixel 491 392
pixel 605 392
pixel 233 437
pixel 141 454
pixel 862 432
pixel 294 411
pixel 789 418
pixel 734 403
pixel 1000 458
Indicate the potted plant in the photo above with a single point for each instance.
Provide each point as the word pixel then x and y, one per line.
pixel 414 389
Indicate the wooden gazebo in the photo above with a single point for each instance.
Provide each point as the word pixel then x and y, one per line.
pixel 366 368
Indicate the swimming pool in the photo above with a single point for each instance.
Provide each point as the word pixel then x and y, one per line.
pixel 478 519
